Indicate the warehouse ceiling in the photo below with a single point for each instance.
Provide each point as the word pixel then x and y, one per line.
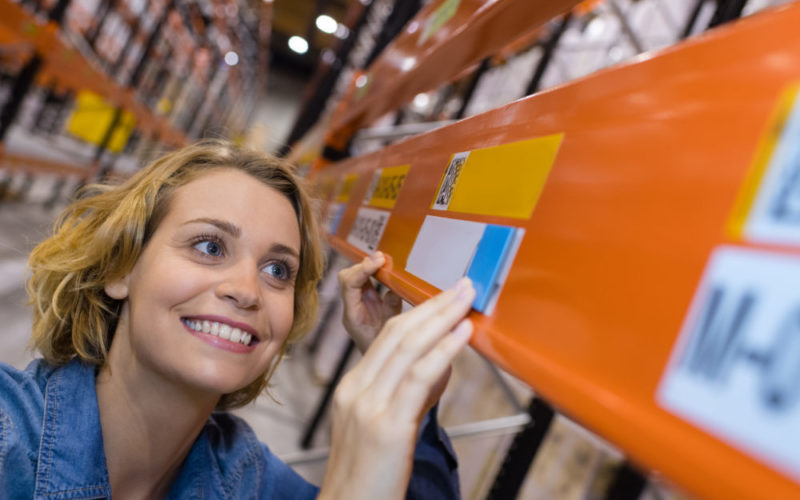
pixel 299 18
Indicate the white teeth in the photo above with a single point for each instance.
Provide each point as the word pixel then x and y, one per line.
pixel 222 330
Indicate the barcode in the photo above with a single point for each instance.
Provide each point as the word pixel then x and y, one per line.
pixel 368 229
pixel 445 193
pixel 736 366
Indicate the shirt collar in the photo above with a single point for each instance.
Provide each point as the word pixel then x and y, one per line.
pixel 72 462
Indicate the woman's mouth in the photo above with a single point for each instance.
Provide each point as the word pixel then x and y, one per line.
pixel 221 330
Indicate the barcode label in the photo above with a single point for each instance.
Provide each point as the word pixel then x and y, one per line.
pixel 368 228
pixel 775 213
pixel 735 370
pixel 385 186
pixel 445 193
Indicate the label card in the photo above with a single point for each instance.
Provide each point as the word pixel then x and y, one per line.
pixel 735 370
pixel 768 209
pixel 368 229
pixel 385 186
pixel 502 181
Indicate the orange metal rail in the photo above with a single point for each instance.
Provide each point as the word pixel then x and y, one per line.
pixel 72 71
pixel 442 40
pixel 644 188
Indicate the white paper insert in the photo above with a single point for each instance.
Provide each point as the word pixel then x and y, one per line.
pixel 735 369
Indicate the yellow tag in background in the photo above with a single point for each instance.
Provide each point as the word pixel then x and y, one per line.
pixel 346 188
pixel 91 118
pixel 503 181
pixel 386 187
pixel 764 153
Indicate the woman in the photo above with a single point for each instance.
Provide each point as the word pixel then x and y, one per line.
pixel 173 296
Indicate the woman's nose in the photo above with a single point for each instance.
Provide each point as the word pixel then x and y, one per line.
pixel 241 286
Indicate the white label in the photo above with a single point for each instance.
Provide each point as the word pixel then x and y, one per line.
pixel 368 229
pixel 445 193
pixel 775 214
pixel 735 370
pixel 443 250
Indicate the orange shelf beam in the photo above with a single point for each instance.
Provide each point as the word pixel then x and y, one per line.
pixel 443 39
pixel 654 156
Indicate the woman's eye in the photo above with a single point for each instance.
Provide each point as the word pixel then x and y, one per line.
pixel 278 270
pixel 209 247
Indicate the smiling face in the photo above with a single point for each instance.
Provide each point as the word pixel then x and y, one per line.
pixel 210 300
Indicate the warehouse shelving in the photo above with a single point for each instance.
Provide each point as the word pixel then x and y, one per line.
pixel 126 76
pixel 644 178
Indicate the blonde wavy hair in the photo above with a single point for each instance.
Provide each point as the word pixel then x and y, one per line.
pixel 100 236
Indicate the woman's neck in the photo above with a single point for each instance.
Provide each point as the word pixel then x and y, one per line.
pixel 149 426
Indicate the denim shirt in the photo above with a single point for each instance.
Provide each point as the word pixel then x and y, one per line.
pixel 51 446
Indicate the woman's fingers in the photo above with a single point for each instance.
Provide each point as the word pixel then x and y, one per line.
pixel 409 336
pixel 363 307
pixel 391 306
pixel 411 398
pixel 440 313
pixel 353 278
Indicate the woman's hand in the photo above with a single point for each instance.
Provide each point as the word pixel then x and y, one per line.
pixel 365 312
pixel 379 405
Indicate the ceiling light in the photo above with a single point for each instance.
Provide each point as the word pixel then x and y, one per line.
pixel 298 44
pixel 328 56
pixel 342 32
pixel 327 24
pixel 231 58
pixel 408 63
pixel 421 101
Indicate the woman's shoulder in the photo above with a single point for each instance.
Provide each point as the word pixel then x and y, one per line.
pixel 21 414
pixel 243 459
pixel 23 390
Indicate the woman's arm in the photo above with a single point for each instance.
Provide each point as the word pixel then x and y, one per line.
pixel 380 405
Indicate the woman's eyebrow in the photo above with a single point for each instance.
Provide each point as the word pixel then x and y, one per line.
pixel 229 228
pixel 280 248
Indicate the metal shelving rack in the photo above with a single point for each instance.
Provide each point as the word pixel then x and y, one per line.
pixel 641 218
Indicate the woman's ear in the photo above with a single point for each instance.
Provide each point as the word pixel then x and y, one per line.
pixel 117 289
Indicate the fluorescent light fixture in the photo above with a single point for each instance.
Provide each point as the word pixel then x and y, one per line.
pixel 231 58
pixel 298 44
pixel 327 24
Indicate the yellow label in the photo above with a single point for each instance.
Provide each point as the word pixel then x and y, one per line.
pixel 764 152
pixel 503 181
pixel 386 186
pixel 91 118
pixel 346 188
